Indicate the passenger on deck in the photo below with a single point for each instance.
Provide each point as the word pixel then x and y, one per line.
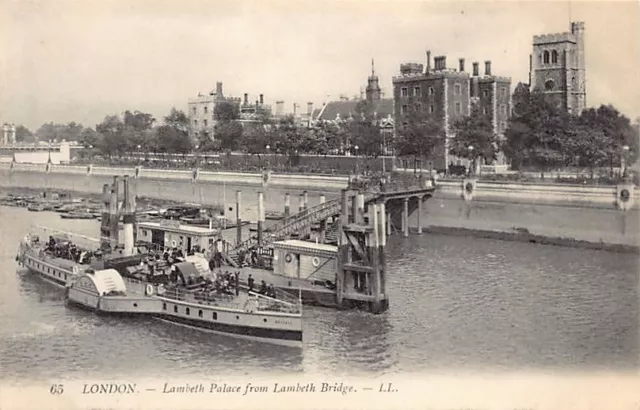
pixel 263 288
pixel 250 282
pixel 270 291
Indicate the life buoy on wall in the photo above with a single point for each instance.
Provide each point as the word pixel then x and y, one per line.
pixel 149 290
pixel 468 189
pixel 288 258
pixel 173 243
pixel 624 196
pixel 315 261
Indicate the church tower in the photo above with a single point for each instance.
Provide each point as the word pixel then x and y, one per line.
pixel 373 90
pixel 558 68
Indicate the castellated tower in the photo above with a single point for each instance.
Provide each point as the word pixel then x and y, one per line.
pixel 558 67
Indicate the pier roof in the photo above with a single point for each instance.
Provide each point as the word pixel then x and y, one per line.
pixel 296 243
pixel 187 229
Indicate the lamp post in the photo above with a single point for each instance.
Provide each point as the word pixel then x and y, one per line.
pixel 623 161
pixel 139 155
pixel 268 159
pixel 356 148
pixel 472 165
pixel 49 159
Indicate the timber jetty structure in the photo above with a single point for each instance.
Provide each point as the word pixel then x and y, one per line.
pixel 358 223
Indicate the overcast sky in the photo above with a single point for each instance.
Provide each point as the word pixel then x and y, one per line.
pixel 77 61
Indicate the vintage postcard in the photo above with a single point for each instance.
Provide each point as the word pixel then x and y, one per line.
pixel 353 204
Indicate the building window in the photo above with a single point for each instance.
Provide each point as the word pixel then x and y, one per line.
pixel 404 92
pixel 431 109
pixel 206 109
pixel 431 91
pixel 164 306
pixel 195 122
pixel 416 91
pixel 503 109
pixel 187 311
pixel 554 57
pixel 458 108
pixel 485 111
pixel 503 91
pixel 175 308
pixel 418 107
pixel 194 110
pixel 457 89
pixel 403 109
pixel 205 123
pixel 545 58
pixel 199 313
pixel 486 93
pixel 215 315
pixel 503 126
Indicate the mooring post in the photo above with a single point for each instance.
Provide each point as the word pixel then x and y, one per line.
pixel 287 205
pixel 372 251
pixel 323 223
pixel 305 200
pixel 238 217
pixel 128 218
pixel 301 202
pixel 387 219
pixel 405 217
pixel 343 246
pixel 260 217
pixel 105 230
pixel 360 199
pixel 113 214
pixel 419 215
pixel 382 277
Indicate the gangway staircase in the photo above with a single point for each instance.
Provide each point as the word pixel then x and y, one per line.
pixel 302 221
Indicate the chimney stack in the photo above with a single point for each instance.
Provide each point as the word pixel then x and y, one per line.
pixel 295 108
pixel 461 65
pixel 487 67
pixel 261 99
pixel 309 107
pixel 246 99
pixel 476 69
pixel 219 89
pixel 440 63
pixel 428 61
pixel 279 108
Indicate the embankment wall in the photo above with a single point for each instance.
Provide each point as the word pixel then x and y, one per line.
pixel 578 212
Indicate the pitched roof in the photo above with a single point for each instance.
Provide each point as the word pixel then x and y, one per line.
pixel 329 112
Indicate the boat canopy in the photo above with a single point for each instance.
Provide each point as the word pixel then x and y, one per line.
pixel 106 281
pixel 187 269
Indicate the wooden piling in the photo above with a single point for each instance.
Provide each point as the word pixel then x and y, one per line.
pixel 287 205
pixel 323 223
pixel 301 202
pixel 343 247
pixel 105 230
pixel 238 217
pixel 261 217
pixel 382 263
pixel 128 218
pixel 419 216
pixel 405 217
pixel 305 200
pixel 114 231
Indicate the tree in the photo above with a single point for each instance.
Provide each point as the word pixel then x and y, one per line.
pixel 173 136
pixel 365 130
pixel 138 131
pixel 112 141
pixel 226 111
pixel 536 134
pixel 23 134
pixel 89 138
pixel 229 133
pixel 59 132
pixel 418 135
pixel 474 137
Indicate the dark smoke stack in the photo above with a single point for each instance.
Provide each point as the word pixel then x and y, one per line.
pixel 428 61
pixel 219 88
pixel 246 99
pixel 261 99
pixel 461 65
pixel 476 69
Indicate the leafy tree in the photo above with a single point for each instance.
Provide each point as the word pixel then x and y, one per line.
pixel 418 135
pixel 89 138
pixel 58 132
pixel 23 134
pixel 536 134
pixel 112 141
pixel 226 111
pixel 474 137
pixel 173 136
pixel 365 130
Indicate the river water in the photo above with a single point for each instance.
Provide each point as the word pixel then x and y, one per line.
pixel 457 305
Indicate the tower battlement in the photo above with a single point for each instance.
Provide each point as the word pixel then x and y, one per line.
pixel 554 38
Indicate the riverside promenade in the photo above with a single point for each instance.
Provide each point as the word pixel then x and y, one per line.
pixel 572 215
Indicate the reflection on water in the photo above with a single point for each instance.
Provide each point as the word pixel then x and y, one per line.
pixel 456 304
